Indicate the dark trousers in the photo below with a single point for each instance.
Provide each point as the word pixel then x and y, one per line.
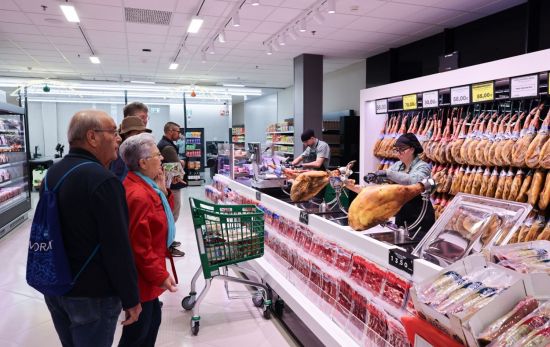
pixel 83 321
pixel 143 333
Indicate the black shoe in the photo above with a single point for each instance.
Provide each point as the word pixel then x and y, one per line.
pixel 176 252
pixel 175 244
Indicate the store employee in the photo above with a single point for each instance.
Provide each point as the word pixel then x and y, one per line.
pixel 317 154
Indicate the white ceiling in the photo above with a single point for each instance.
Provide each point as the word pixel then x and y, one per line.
pixel 41 43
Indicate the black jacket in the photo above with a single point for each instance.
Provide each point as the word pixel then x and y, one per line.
pixel 92 210
pixel 165 147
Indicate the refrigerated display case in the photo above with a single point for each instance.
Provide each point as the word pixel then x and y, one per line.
pixel 15 193
pixel 195 154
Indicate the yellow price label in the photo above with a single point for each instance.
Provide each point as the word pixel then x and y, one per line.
pixel 483 92
pixel 409 102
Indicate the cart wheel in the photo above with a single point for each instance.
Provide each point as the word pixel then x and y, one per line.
pixel 188 303
pixel 258 300
pixel 194 328
pixel 267 312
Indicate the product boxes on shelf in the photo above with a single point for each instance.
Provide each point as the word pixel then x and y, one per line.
pixel 466 290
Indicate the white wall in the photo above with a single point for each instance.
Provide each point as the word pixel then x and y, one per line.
pixel 258 114
pixel 341 88
pixel 285 104
pixel 216 127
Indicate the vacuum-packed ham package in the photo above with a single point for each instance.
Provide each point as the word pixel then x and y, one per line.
pixel 304 237
pixel 374 277
pixel 345 294
pixel 343 259
pixel 397 336
pixel 359 306
pixel 302 266
pixel 396 290
pixel 329 286
pixel 358 268
pixel 376 323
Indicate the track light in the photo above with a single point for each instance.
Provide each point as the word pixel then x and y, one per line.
pixel 292 34
pixel 268 49
pixel 303 27
pixel 318 17
pixel 282 40
pixel 221 36
pixel 236 19
pixel 173 66
pixel 255 3
pixel 94 59
pixel 331 6
pixel 203 57
pixel 212 49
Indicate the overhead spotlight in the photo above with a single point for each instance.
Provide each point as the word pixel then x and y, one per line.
pixel 221 36
pixel 255 3
pixel 331 6
pixel 303 27
pixel 212 48
pixel 203 57
pixel 70 13
pixel 282 39
pixel 292 34
pixel 173 66
pixel 236 19
pixel 274 46
pixel 195 25
pixel 268 49
pixel 318 17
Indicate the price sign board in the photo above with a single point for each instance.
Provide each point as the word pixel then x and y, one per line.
pixel 430 99
pixel 409 102
pixel 483 92
pixel 401 260
pixel 524 86
pixel 304 217
pixel 258 196
pixel 460 95
pixel 381 106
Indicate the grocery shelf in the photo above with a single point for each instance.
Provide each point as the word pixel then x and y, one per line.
pixel 283 143
pixel 280 132
pixel 12 164
pixel 6 205
pixel 15 180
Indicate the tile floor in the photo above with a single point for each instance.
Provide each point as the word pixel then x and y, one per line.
pixel 25 320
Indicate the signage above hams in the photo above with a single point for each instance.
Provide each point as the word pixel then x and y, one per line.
pixel 528 86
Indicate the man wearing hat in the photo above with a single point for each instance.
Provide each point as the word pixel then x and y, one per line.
pixel 410 169
pixel 130 126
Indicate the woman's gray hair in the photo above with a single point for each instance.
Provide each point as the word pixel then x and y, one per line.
pixel 82 122
pixel 135 148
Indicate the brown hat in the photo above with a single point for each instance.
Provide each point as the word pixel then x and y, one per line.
pixel 132 123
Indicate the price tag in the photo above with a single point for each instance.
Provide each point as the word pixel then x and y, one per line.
pixel 524 86
pixel 430 99
pixel 420 342
pixel 304 217
pixel 402 260
pixel 483 92
pixel 381 106
pixel 258 196
pixel 460 95
pixel 409 102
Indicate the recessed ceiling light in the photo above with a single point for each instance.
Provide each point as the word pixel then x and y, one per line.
pixel 255 2
pixel 236 19
pixel 221 37
pixel 331 6
pixel 94 59
pixel 195 25
pixel 303 27
pixel 173 66
pixel 70 13
pixel 142 82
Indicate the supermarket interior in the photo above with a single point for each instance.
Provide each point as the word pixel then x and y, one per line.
pixel 275 173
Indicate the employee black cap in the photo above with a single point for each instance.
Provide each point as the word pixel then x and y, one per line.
pixel 409 140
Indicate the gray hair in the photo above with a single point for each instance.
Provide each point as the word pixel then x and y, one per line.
pixel 82 122
pixel 135 148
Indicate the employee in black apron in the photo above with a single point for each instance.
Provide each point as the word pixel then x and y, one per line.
pixel 317 154
pixel 410 170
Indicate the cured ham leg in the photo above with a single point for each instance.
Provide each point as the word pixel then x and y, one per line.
pixel 377 203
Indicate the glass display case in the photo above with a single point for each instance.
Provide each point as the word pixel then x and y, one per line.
pixel 234 163
pixel 15 198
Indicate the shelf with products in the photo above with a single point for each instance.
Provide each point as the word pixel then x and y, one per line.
pixel 286 127
pixel 14 168
pixel 195 154
pixel 341 133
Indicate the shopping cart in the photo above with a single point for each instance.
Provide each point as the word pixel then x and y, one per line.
pixel 226 236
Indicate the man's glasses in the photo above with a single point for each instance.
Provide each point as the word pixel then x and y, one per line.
pixel 176 130
pixel 110 131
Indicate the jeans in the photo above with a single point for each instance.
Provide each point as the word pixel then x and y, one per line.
pixel 143 333
pixel 84 321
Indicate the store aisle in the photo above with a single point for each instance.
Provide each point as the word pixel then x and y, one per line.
pixel 25 320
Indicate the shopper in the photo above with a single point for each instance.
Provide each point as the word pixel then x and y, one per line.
pixel 317 154
pixel 410 170
pixel 92 209
pixel 137 109
pixel 169 151
pixel 152 231
pixel 130 126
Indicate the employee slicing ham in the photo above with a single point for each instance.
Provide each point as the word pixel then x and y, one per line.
pixel 408 171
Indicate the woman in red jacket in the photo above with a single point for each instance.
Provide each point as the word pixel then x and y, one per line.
pixel 152 230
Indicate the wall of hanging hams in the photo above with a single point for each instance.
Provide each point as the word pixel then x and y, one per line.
pixel 503 155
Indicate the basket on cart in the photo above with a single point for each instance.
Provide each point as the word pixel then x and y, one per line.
pixel 226 236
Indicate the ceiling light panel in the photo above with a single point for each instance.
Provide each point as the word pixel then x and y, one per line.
pixel 195 25
pixel 70 13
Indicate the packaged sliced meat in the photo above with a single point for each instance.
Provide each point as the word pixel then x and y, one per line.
pixel 329 286
pixel 304 238
pixel 501 325
pixel 374 277
pixel 359 306
pixel 438 290
pixel 376 322
pixel 358 268
pixel 538 337
pixel 302 266
pixel 397 336
pixel 328 252
pixel 345 294
pixel 315 276
pixel 532 322
pixel 396 290
pixel 343 259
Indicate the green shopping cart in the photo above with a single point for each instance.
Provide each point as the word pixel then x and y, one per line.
pixel 226 236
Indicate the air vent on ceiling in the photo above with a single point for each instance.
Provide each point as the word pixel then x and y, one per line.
pixel 144 16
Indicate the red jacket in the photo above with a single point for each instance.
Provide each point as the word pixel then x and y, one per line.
pixel 148 232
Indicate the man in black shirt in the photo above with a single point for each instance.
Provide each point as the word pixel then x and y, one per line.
pixel 92 210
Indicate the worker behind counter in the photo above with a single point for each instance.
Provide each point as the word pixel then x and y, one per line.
pixel 317 154
pixel 410 169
